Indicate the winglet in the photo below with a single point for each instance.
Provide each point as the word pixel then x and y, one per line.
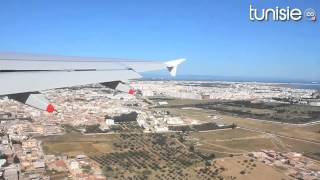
pixel 173 65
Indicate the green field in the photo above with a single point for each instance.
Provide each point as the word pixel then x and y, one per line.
pixel 289 113
pixel 236 141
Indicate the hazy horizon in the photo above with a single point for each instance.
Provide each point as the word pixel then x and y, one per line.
pixel 180 76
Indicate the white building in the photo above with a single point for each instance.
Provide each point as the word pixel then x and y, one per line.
pixel 2 162
pixel 314 103
pixel 161 129
pixel 174 121
pixel 109 122
pixel 163 103
pixel 74 165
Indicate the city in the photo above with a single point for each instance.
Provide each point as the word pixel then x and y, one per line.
pixel 89 119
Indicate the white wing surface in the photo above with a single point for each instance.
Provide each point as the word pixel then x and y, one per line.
pixel 24 74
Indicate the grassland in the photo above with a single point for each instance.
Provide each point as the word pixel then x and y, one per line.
pixel 232 142
pixel 72 144
pixel 264 134
pixel 289 113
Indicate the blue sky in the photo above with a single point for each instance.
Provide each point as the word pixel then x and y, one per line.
pixel 216 37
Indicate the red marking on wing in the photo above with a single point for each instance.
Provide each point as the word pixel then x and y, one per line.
pixel 50 108
pixel 131 91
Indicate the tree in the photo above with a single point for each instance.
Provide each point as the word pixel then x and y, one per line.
pixel 191 148
pixel 207 163
pixel 181 138
pixel 16 160
pixel 211 156
pixel 146 172
pixel 233 126
pixel 107 171
pixel 3 156
pixel 86 169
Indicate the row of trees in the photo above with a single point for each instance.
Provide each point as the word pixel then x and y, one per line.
pixel 158 153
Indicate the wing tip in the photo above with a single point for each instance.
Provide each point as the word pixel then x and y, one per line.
pixel 173 65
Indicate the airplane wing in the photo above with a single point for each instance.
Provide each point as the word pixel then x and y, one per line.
pixel 22 75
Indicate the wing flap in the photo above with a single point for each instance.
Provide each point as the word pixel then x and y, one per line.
pixel 19 82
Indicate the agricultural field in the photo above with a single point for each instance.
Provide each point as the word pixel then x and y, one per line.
pixel 285 113
pixel 126 152
pixel 231 142
pixel 137 155
pixel 72 144
pixel 246 168
pixel 251 135
pixel 308 132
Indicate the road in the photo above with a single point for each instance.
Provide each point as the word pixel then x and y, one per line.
pixel 282 123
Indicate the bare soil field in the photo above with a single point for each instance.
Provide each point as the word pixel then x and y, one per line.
pixel 300 138
pixel 242 168
pixel 232 141
pixel 72 144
